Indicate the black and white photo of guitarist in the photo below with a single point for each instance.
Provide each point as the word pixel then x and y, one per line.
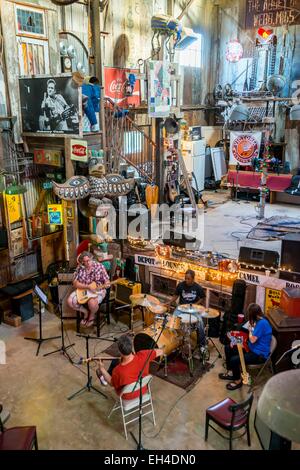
pixel 56 114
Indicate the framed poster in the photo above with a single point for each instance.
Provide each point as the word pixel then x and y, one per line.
pixel 50 106
pixel 115 87
pixel 160 91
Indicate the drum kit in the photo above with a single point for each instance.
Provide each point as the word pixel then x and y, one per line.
pixel 171 332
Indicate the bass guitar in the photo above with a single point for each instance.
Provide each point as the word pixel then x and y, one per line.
pixel 239 339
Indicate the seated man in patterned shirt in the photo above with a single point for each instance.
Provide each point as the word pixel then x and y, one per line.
pixel 89 272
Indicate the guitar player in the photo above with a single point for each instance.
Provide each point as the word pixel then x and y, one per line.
pixel 55 110
pixel 92 277
pixel 259 347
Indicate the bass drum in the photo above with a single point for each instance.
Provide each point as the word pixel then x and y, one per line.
pixel 169 341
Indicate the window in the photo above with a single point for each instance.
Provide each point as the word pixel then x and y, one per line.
pixel 32 41
pixel 192 55
pixel 30 21
pixel 33 57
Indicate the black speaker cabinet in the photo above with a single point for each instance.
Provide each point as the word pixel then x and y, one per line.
pixel 259 260
pixel 290 259
pixel 180 240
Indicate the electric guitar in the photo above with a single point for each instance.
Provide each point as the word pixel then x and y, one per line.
pixel 239 339
pixel 51 122
pixel 84 295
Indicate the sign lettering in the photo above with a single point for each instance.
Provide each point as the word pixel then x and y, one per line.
pixel 272 13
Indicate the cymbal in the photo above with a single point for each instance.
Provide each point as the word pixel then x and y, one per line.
pixel 191 309
pixel 144 300
pixel 158 309
pixel 210 313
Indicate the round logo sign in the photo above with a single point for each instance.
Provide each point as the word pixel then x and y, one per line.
pixel 245 148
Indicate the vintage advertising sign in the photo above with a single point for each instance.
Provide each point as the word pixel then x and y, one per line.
pixel 47 157
pixel 273 298
pixel 79 150
pixel 13 203
pixel 55 214
pixel 115 87
pixel 272 13
pixel 244 147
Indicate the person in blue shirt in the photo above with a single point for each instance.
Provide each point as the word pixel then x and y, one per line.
pixel 260 337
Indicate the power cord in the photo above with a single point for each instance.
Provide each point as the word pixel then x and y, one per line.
pixel 166 418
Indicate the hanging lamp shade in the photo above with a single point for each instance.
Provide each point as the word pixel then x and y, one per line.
pixel 279 405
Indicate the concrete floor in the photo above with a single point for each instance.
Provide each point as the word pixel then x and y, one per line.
pixel 35 389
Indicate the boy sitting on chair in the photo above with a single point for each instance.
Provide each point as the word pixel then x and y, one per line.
pixel 126 371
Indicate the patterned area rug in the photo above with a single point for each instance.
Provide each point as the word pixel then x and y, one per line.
pixel 275 228
pixel 177 371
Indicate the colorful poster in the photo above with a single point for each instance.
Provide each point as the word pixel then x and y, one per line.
pixel 55 214
pixel 160 92
pixel 273 298
pixel 14 211
pixel 244 147
pixel 115 87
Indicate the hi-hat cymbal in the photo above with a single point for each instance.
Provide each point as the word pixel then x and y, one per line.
pixel 144 300
pixel 191 309
pixel 210 313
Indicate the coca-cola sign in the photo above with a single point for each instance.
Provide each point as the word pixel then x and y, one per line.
pixel 115 87
pixel 79 150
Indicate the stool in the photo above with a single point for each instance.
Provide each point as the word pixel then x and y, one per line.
pixel 24 307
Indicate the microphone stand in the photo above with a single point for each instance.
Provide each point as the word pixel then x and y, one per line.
pixel 88 387
pixel 63 348
pixel 286 353
pixel 140 383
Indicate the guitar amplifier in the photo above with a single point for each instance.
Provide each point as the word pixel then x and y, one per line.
pixel 124 289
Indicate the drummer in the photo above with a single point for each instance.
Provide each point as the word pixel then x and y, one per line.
pixel 191 293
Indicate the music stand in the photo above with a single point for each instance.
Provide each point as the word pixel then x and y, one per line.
pixel 42 299
pixel 88 387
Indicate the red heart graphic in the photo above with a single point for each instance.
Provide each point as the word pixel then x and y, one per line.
pixel 265 33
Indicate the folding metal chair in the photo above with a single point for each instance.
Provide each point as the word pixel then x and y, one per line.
pixel 129 408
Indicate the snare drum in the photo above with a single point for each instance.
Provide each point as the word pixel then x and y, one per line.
pixel 169 341
pixel 174 323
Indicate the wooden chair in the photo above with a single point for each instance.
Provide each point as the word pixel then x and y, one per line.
pixel 18 438
pixel 231 417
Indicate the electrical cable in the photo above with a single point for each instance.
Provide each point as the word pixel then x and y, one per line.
pixel 166 418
